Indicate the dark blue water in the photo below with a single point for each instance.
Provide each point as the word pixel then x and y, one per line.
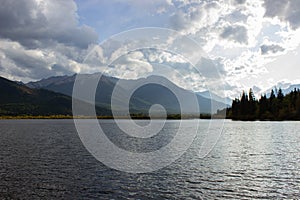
pixel 252 160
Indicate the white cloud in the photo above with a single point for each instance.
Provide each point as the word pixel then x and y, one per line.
pixel 130 66
pixel 25 64
pixel 159 56
pixel 195 16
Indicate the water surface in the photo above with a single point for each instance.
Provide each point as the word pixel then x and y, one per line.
pixel 252 160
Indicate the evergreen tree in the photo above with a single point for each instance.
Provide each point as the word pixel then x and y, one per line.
pixel 280 95
pixel 251 104
pixel 263 106
pixel 272 95
pixel 280 107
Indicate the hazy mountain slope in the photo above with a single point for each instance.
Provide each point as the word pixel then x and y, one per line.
pixel 142 98
pixel 210 95
pixel 285 87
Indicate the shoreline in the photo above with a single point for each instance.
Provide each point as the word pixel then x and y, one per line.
pixel 170 117
pixel 135 117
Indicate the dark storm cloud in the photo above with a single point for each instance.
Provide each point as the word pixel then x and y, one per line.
pixel 286 10
pixel 42 38
pixel 235 33
pixel 35 24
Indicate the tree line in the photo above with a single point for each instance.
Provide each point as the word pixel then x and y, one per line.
pixel 275 107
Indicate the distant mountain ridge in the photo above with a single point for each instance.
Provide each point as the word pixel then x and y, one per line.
pixel 43 83
pixel 285 87
pixel 209 95
pixel 18 99
pixel 140 101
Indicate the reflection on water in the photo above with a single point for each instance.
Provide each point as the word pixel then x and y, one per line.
pixel 46 159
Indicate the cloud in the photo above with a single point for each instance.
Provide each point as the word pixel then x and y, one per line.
pixel 159 56
pixel 285 10
pixel 130 66
pixel 240 1
pixel 195 16
pixel 31 64
pixel 235 33
pixel 41 38
pixel 272 48
pixel 210 68
pixel 35 23
pixel 233 30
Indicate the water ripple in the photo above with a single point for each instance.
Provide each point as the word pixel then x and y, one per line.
pixel 45 159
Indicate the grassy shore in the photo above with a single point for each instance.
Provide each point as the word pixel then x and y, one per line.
pixel 37 117
pixel 53 117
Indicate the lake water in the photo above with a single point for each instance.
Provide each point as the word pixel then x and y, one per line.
pixel 252 160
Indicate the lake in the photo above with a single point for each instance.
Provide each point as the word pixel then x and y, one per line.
pixel 252 160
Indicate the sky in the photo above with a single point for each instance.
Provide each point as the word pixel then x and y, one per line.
pixel 244 43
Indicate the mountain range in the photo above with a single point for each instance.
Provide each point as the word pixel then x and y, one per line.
pixel 18 99
pixel 285 87
pixel 52 96
pixel 209 95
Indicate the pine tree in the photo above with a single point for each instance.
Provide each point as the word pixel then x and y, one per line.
pixel 251 104
pixel 272 95
pixel 280 95
pixel 276 107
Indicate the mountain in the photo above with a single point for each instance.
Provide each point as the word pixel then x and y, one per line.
pixel 18 99
pixel 285 87
pixel 210 95
pixel 141 100
pixel 290 88
pixel 64 85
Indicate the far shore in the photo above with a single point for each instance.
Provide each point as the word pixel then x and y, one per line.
pixel 138 116
pixel 135 117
